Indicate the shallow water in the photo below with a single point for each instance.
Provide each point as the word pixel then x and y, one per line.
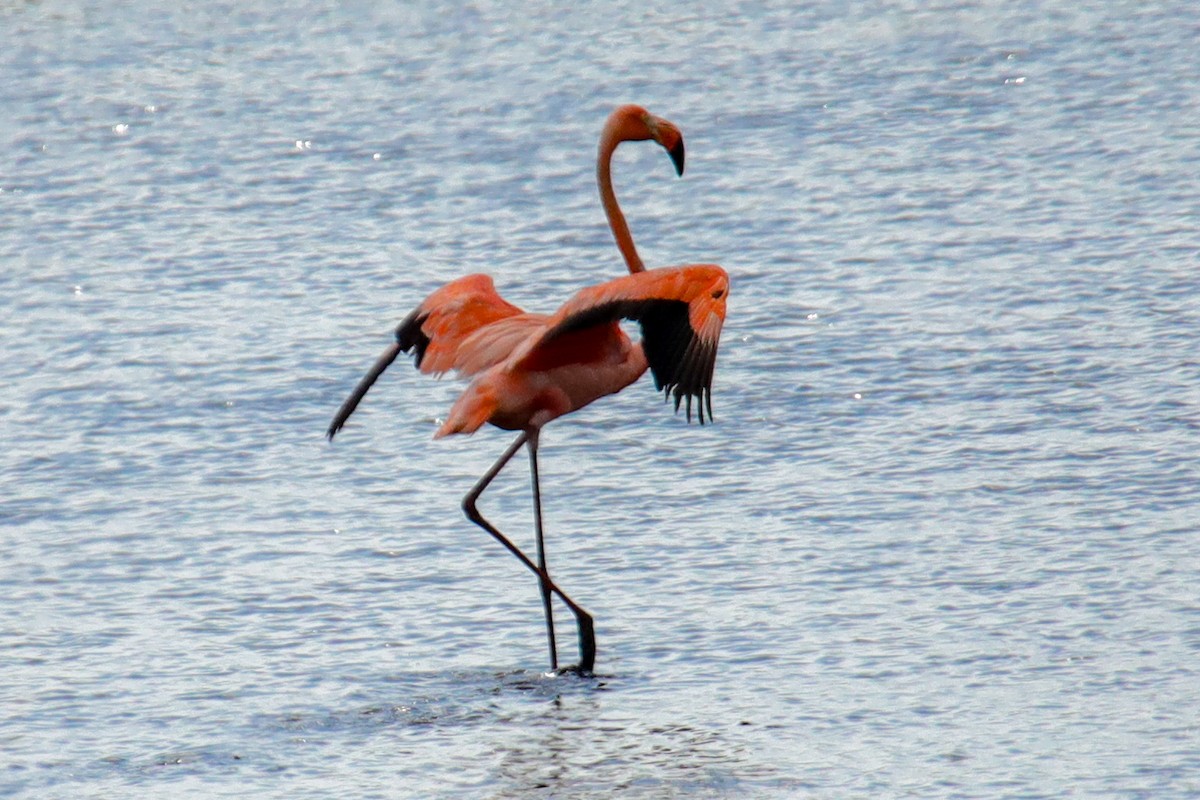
pixel 941 540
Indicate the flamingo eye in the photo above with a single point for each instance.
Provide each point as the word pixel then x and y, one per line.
pixel 718 294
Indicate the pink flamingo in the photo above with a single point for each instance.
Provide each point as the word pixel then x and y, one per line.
pixel 529 369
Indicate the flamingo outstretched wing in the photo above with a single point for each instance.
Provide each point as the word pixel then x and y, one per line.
pixel 439 331
pixel 680 310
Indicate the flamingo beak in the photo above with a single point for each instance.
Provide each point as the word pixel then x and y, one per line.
pixel 676 154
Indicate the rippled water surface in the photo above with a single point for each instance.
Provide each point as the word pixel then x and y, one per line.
pixel 941 541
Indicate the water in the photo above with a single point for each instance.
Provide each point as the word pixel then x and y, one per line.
pixel 941 541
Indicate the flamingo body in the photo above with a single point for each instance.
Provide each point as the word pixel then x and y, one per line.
pixel 579 354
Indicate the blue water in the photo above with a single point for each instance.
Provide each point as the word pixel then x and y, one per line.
pixel 941 541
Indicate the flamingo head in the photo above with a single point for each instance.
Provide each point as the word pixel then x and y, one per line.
pixel 631 123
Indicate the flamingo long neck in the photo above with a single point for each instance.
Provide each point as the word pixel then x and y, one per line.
pixel 616 220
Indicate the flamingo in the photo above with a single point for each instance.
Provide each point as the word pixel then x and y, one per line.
pixel 529 369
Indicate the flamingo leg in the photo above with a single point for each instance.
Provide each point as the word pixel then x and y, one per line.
pixel 544 576
pixel 587 636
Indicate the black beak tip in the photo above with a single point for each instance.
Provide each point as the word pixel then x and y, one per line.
pixel 676 154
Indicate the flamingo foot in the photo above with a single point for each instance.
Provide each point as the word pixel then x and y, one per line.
pixel 572 669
